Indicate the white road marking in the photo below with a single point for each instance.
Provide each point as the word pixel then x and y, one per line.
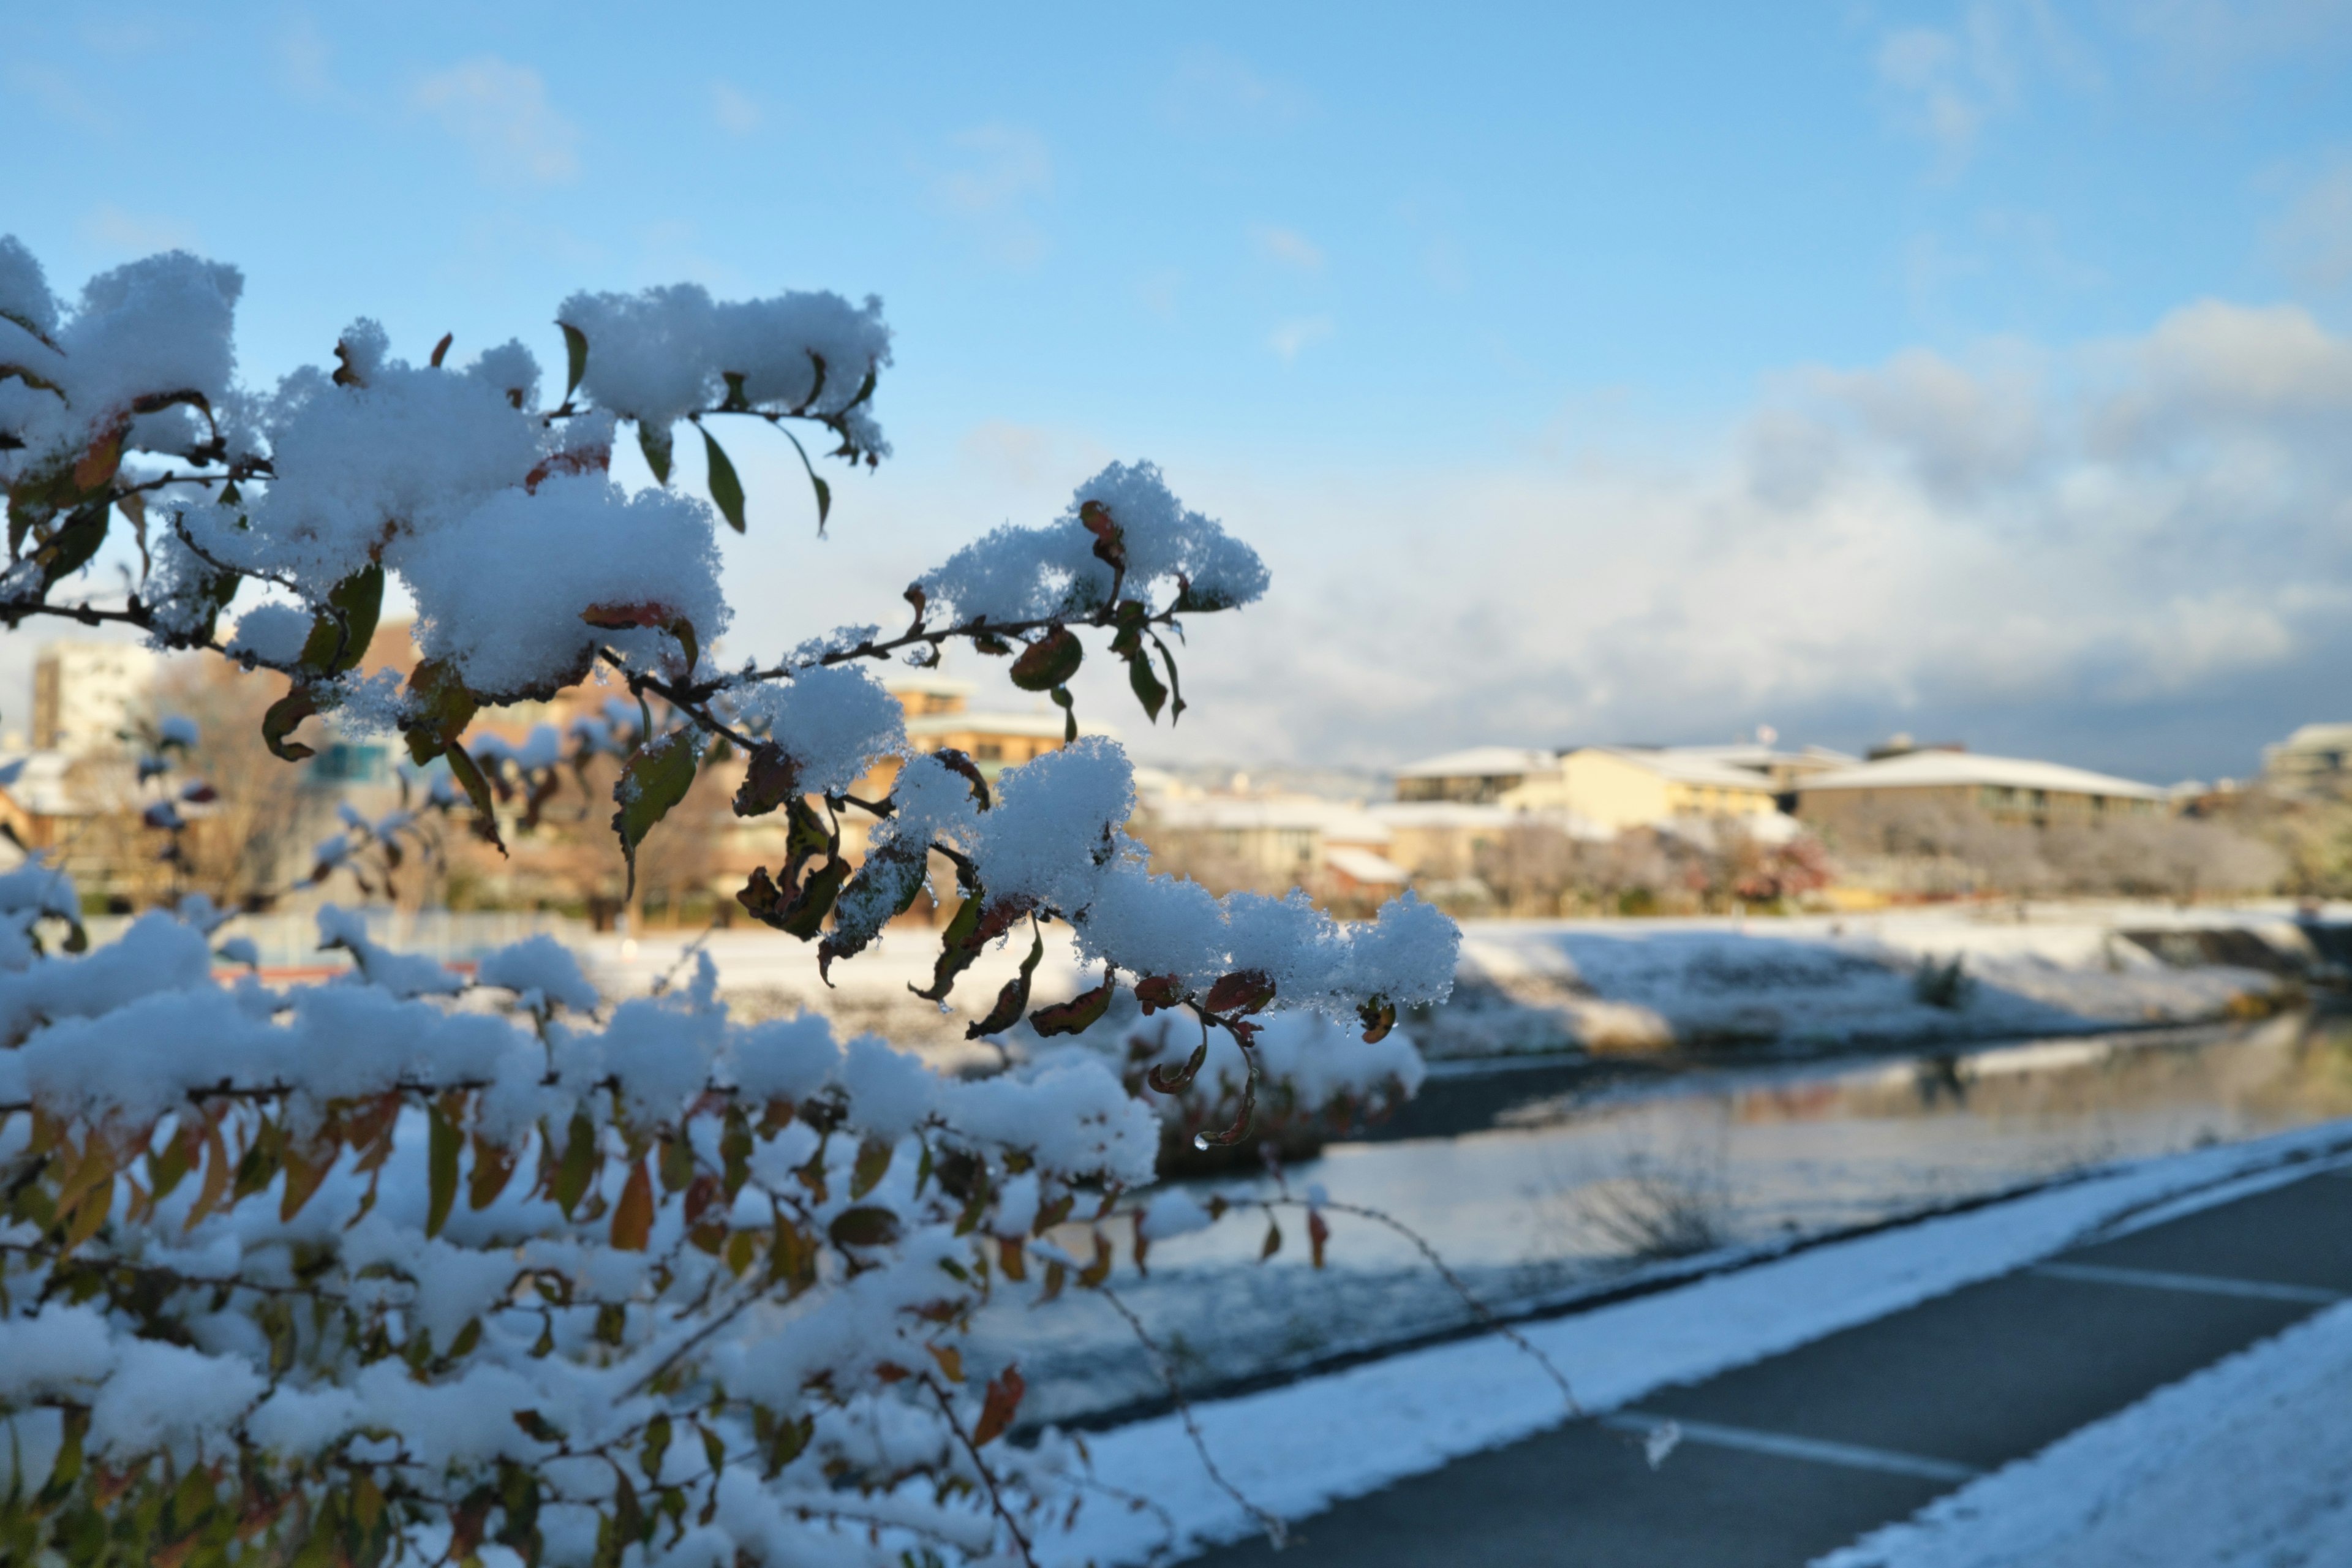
pixel 2193 1284
pixel 1781 1445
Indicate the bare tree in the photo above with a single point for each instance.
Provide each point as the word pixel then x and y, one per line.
pixel 255 840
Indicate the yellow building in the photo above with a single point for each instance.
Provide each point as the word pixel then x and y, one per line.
pixel 1617 787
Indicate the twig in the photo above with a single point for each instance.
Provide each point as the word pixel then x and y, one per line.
pixel 987 1475
pixel 667 978
pixel 1277 1532
pixel 1485 1313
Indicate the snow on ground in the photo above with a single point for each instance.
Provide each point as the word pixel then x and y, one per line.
pixel 1808 983
pixel 2247 1462
pixel 1296 1449
pixel 1803 984
pixel 1816 983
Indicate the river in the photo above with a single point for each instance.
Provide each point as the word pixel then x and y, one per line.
pixel 1538 1184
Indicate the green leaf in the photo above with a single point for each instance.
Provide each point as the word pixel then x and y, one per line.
pixel 329 650
pixel 578 1167
pixel 873 1163
pixel 27 322
pixel 467 772
pixel 1012 1000
pixel 1050 661
pixel 1145 684
pixel 442 1163
pixel 823 490
pixel 959 945
pixel 280 720
pixel 864 1227
pixel 656 444
pixel 726 490
pixel 30 378
pixel 657 779
pixel 440 706
pixel 76 543
pixel 575 353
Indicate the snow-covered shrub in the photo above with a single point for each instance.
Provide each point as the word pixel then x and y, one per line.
pixel 402 1265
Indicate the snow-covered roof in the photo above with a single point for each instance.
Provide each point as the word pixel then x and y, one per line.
pixel 1673 765
pixel 2318 738
pixel 1335 821
pixel 1443 813
pixel 1482 763
pixel 1757 755
pixel 1049 726
pixel 1363 866
pixel 922 682
pixel 43 785
pixel 1941 769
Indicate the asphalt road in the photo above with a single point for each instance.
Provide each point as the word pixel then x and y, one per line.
pixel 1792 1456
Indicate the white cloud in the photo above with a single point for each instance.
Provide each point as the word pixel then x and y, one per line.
pixel 306 61
pixel 1288 247
pixel 502 111
pixel 111 227
pixel 1159 291
pixel 60 95
pixel 737 112
pixel 995 176
pixel 2135 554
pixel 1215 92
pixel 1946 85
pixel 2313 241
pixel 2206 41
pixel 1291 339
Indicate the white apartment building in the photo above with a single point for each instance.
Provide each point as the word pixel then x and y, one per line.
pixel 85 694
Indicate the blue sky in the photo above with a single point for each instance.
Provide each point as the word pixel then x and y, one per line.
pixel 1585 375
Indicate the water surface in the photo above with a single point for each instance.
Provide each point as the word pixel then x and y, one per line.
pixel 1540 1184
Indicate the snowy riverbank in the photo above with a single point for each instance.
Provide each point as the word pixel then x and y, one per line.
pixel 1816 983
pixel 1800 984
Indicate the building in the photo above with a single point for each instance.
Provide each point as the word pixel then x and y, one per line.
pixel 2316 756
pixel 1618 787
pixel 939 717
pixel 1483 775
pixel 2005 789
pixel 1289 840
pixel 1785 769
pixel 86 694
pixel 1439 840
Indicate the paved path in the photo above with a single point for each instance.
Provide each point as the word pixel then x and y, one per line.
pixel 1796 1455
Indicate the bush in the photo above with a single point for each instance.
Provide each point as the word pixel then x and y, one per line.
pixel 410 1266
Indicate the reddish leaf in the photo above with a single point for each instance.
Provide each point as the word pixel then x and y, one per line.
pixel 1110 545
pixel 996 1412
pixel 1050 661
pixel 633 1217
pixel 771 777
pixel 1242 991
pixel 1080 1013
pixel 1159 991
